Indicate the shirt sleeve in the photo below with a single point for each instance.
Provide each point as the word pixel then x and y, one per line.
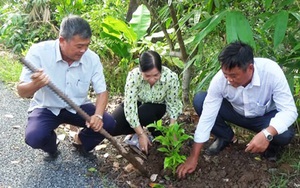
pixel 173 101
pixel 34 60
pixel 285 104
pixel 130 101
pixel 211 107
pixel 98 79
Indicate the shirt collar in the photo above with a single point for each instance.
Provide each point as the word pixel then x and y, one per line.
pixel 255 78
pixel 162 77
pixel 57 52
pixel 58 55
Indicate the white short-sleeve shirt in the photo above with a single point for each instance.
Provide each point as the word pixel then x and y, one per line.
pixel 74 80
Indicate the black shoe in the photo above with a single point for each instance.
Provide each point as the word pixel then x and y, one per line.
pixel 52 156
pixel 79 148
pixel 272 153
pixel 218 145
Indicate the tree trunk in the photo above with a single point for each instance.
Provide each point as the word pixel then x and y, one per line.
pixel 184 57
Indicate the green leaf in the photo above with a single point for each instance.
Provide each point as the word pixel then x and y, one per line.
pixel 210 5
pixel 296 15
pixel 108 29
pixel 297 47
pixel 92 169
pixel 238 28
pixel 271 21
pixel 202 24
pixel 244 30
pixel 116 45
pixel 285 3
pixel 267 4
pixel 162 149
pixel 210 27
pixel 140 21
pixel 122 27
pixel 231 26
pixel 280 27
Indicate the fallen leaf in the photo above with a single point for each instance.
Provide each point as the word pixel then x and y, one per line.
pixel 119 156
pixel 257 158
pixel 72 134
pixel 153 177
pixel 8 116
pixel 61 137
pixel 92 169
pixel 99 147
pixel 105 155
pixel 16 127
pixel 116 164
pixel 156 185
pixel 129 168
pixel 131 185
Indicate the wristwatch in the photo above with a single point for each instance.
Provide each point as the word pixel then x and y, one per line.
pixel 268 135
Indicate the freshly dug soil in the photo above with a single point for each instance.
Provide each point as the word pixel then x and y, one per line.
pixel 231 168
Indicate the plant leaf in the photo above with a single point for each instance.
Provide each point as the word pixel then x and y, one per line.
pixel 280 27
pixel 244 30
pixel 231 26
pixel 296 15
pixel 267 4
pixel 121 26
pixel 140 21
pixel 210 27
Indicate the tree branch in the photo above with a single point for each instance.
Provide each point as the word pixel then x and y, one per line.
pixel 162 26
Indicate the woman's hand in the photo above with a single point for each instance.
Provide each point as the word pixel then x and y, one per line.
pixel 144 142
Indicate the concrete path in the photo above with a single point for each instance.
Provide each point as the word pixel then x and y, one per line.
pixel 22 166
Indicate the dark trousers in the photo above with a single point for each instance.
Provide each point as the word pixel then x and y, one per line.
pixel 148 113
pixel 39 133
pixel 227 114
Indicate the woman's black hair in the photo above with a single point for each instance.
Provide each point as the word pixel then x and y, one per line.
pixel 149 60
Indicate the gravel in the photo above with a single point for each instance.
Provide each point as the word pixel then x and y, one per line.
pixel 22 166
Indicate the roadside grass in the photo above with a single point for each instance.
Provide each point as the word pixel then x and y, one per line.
pixel 10 68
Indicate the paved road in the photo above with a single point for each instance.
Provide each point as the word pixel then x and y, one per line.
pixel 22 166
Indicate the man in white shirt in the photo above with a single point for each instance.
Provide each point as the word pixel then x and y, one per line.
pixel 72 67
pixel 249 92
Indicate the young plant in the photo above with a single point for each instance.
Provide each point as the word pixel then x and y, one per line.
pixel 171 140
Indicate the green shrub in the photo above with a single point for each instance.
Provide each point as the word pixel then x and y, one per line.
pixel 171 140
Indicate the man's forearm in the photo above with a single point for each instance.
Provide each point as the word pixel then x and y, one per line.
pixel 26 90
pixel 196 150
pixel 101 102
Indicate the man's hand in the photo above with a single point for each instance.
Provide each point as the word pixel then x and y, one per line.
pixel 95 123
pixel 39 79
pixel 187 167
pixel 258 144
pixel 191 162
